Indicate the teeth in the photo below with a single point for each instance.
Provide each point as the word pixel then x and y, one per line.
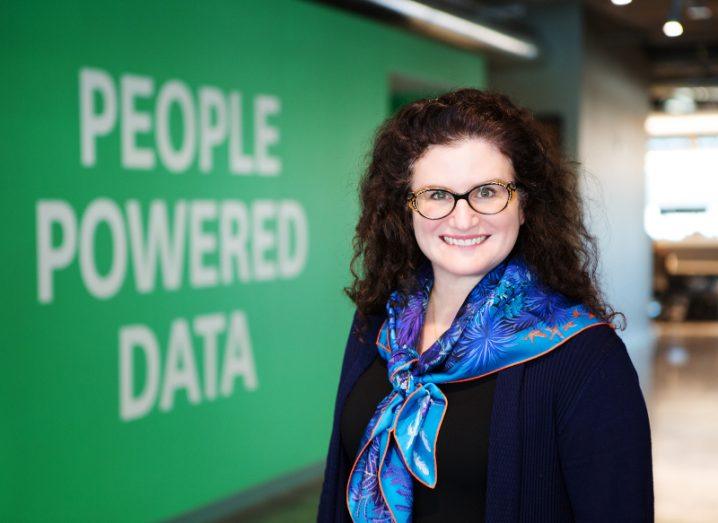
pixel 464 243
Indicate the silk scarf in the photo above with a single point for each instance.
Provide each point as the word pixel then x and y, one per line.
pixel 508 318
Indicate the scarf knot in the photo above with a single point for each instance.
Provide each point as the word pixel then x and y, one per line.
pixel 404 381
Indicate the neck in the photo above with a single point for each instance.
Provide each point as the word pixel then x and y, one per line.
pixel 448 293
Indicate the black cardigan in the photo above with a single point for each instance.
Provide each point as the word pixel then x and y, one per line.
pixel 569 437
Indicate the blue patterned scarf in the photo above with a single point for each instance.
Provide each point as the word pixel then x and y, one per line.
pixel 508 318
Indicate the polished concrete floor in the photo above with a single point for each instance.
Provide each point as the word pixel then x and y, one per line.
pixel 682 399
pixel 683 408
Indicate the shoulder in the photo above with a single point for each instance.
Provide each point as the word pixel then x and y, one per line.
pixel 603 409
pixel 595 359
pixel 582 351
pixel 362 335
pixel 365 327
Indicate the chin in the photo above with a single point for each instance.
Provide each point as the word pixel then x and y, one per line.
pixel 465 269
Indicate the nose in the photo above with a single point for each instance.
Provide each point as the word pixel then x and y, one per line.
pixel 464 217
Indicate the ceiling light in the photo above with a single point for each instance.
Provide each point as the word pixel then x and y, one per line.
pixel 621 2
pixel 481 34
pixel 673 28
pixel 680 105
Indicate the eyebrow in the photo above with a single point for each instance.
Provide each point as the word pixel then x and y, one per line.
pixel 444 188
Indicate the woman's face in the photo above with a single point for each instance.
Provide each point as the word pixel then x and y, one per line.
pixel 460 167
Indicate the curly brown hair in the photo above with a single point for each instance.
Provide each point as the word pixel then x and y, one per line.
pixel 553 240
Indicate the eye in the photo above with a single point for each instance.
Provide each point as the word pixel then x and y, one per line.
pixel 437 195
pixel 486 191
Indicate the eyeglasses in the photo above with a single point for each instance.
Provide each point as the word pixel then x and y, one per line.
pixel 488 198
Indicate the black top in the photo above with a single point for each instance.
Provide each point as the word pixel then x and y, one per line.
pixel 461 449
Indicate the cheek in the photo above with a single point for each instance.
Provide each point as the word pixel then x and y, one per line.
pixel 425 231
pixel 509 223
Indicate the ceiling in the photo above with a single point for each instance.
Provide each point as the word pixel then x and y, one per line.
pixel 680 69
pixel 690 60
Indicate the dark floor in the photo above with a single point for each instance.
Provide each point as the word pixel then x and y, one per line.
pixel 298 506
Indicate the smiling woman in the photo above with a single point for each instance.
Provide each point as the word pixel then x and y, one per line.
pixel 481 346
pixel 465 243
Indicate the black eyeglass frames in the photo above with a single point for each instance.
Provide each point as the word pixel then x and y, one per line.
pixel 435 203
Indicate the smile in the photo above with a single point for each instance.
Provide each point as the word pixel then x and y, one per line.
pixel 464 242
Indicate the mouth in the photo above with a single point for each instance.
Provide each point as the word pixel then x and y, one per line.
pixel 465 241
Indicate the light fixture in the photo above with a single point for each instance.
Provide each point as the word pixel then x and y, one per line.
pixel 679 105
pixel 437 20
pixel 621 2
pixel 673 27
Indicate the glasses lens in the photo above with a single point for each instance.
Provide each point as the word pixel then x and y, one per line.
pixel 490 198
pixel 434 203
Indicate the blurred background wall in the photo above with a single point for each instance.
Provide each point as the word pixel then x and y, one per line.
pixel 614 107
pixel 179 199
pixel 551 84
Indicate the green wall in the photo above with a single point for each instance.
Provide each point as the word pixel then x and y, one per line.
pixel 173 322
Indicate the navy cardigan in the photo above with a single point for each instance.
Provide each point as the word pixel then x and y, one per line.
pixel 569 437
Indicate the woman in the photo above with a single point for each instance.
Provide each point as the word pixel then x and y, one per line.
pixel 483 379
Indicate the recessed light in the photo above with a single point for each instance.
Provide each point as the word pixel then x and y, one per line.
pixel 672 28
